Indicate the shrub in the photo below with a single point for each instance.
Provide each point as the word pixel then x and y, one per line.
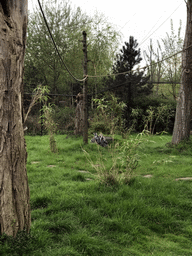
pixel 50 125
pixel 64 117
pixel 108 115
pixel 120 166
pixel 153 114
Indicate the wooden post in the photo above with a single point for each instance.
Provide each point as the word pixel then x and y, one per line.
pixel 85 121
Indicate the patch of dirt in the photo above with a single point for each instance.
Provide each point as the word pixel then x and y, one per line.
pixel 35 162
pixel 51 165
pixel 184 178
pixel 83 171
pixel 148 176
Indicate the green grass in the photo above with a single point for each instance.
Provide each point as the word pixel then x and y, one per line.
pixel 73 214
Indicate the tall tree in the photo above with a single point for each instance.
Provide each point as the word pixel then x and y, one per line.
pixel 14 190
pixel 181 129
pixel 131 84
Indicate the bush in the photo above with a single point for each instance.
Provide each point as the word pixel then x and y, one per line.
pixel 64 117
pixel 118 168
pixel 108 115
pixel 154 114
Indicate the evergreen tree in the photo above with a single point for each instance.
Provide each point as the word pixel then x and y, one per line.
pixel 132 84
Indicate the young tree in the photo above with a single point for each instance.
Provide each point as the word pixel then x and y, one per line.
pixel 14 190
pixel 155 68
pixel 132 84
pixel 183 112
pixel 172 43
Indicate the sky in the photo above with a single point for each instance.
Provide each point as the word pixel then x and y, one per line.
pixel 143 19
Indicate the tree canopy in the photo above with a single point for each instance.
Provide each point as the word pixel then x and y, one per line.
pixel 42 63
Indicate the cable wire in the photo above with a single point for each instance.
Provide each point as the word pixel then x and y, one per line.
pixel 160 25
pixel 147 66
pixel 45 20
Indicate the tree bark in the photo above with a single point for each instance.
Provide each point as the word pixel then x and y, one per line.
pixel 14 190
pixel 181 129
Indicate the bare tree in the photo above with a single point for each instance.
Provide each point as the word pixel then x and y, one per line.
pixel 173 43
pixel 14 190
pixel 183 112
pixel 156 69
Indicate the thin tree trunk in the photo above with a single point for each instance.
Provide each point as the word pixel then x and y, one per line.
pixel 85 117
pixel 183 112
pixel 14 190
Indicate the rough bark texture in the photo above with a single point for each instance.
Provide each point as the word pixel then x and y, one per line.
pixel 14 190
pixel 183 112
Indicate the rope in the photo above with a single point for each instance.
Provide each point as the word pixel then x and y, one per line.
pixel 147 66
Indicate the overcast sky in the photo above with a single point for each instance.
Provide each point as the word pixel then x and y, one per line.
pixel 143 19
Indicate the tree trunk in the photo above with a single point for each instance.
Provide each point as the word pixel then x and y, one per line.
pixel 79 115
pixel 183 112
pixel 14 190
pixel 85 116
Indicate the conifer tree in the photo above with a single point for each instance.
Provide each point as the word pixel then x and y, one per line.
pixel 132 84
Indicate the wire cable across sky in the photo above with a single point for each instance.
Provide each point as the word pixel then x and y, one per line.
pixel 123 73
pixel 145 39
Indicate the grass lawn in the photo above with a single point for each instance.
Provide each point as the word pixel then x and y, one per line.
pixel 73 214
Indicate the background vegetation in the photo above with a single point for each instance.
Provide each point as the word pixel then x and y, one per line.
pixel 149 95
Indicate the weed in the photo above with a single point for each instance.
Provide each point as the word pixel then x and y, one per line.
pixel 50 125
pixel 108 115
pixel 119 164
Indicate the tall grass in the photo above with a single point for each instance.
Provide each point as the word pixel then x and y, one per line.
pixel 74 214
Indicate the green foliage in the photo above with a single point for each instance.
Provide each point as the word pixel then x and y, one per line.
pixel 118 165
pixel 129 84
pixel 154 114
pixel 64 118
pixel 50 125
pixel 108 115
pixel 42 63
pixel 39 94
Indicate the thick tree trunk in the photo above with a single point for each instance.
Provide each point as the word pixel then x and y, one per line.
pixel 183 112
pixel 14 190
